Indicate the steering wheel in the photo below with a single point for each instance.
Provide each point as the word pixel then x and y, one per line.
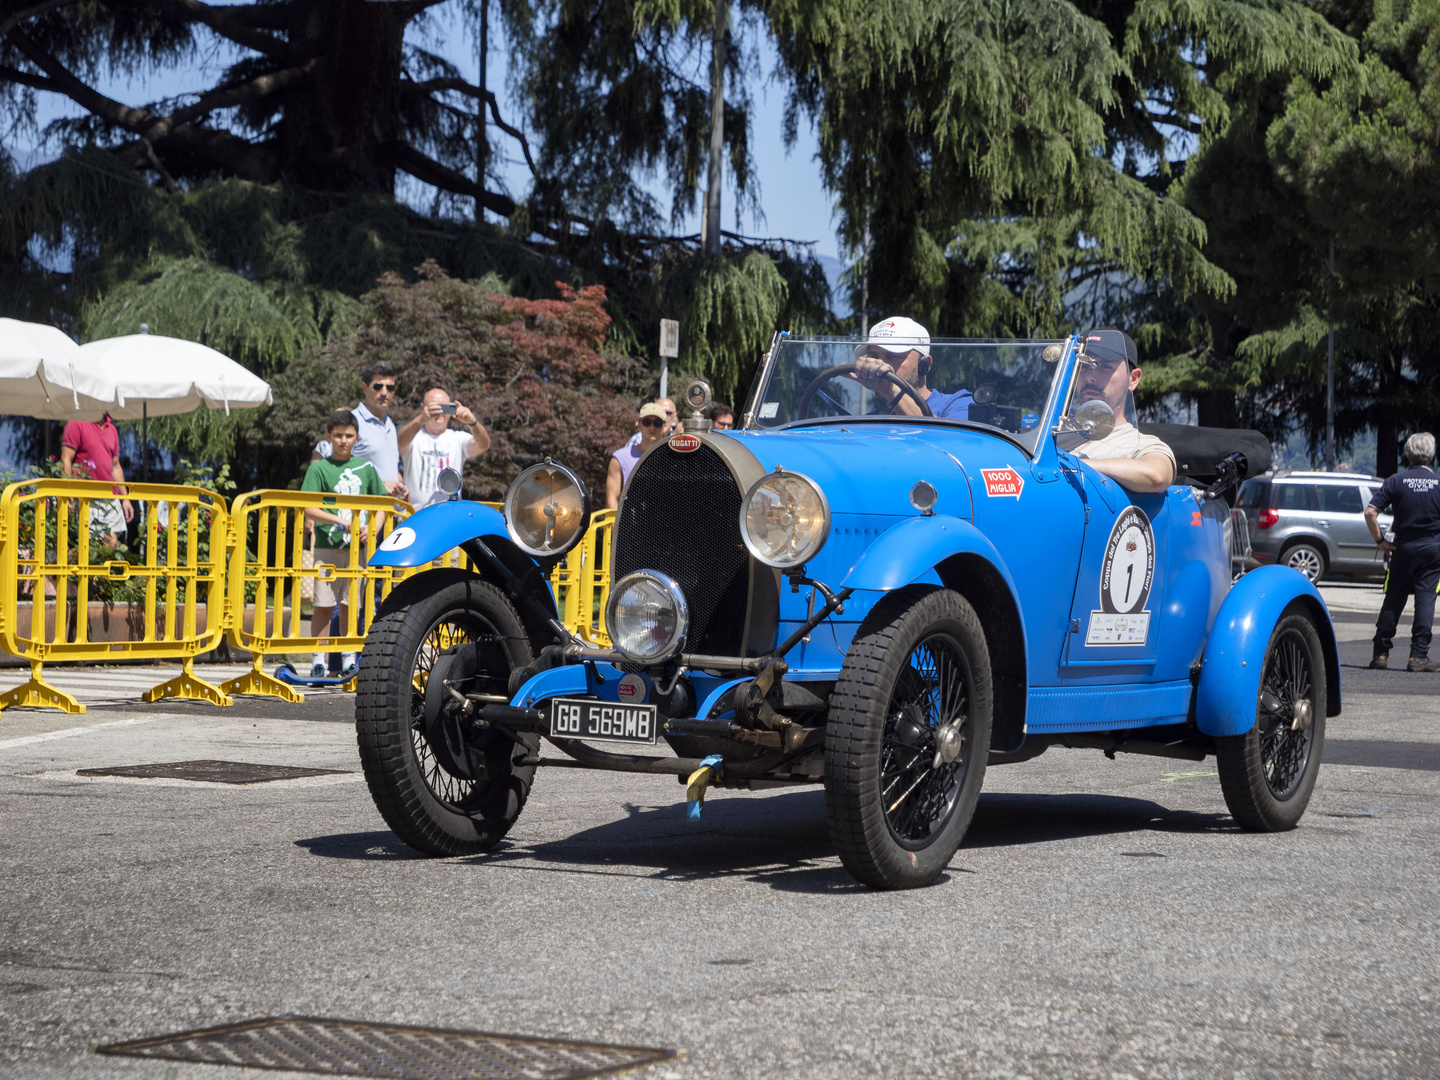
pixel 906 390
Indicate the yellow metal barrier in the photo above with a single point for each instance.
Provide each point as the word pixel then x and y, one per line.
pixel 266 564
pixel 52 545
pixel 202 572
pixel 582 582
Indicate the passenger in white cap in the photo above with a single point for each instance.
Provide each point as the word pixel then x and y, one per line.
pixel 901 347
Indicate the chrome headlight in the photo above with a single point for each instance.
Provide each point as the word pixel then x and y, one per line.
pixel 547 509
pixel 784 519
pixel 647 616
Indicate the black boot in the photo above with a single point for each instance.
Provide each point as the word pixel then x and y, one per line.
pixel 1421 663
pixel 1381 661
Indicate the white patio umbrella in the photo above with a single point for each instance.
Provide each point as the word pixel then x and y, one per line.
pixel 44 374
pixel 162 376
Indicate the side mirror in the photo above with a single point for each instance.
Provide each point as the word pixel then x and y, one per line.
pixel 1094 420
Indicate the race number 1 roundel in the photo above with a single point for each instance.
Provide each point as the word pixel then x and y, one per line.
pixel 1129 564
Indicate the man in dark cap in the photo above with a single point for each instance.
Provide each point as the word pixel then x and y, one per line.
pixel 1109 372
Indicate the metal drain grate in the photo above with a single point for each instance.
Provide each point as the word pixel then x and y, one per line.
pixel 214 772
pixel 346 1048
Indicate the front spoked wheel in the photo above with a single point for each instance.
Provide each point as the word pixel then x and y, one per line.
pixel 1268 773
pixel 908 738
pixel 443 786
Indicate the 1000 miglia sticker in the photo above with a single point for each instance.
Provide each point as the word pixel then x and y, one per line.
pixel 1125 580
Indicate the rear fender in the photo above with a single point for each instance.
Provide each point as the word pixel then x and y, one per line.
pixel 1229 690
pixel 429 533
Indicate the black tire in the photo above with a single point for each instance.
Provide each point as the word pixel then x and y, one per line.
pixel 429 807
pixel 1268 773
pixel 895 818
pixel 1307 559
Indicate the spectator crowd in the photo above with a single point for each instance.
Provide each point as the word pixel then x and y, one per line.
pixel 364 452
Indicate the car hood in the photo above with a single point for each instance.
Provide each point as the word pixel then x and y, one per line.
pixel 872 470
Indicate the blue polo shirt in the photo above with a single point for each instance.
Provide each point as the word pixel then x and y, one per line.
pixel 378 442
pixel 954 406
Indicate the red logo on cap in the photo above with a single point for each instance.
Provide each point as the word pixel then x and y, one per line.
pixel 1006 483
pixel 683 444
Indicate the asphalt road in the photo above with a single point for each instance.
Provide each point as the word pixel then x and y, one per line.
pixel 1103 919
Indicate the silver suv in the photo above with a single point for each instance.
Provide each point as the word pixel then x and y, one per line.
pixel 1313 522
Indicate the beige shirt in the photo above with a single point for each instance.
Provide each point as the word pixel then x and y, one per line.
pixel 1126 441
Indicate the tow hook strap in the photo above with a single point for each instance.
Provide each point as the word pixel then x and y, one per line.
pixel 711 769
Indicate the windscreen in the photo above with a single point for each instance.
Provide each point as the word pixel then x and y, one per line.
pixel 1000 385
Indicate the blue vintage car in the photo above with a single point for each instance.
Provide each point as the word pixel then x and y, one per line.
pixel 849 590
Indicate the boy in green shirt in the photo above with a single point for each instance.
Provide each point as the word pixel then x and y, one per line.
pixel 341 474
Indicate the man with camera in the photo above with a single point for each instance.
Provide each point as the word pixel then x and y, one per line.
pixel 429 445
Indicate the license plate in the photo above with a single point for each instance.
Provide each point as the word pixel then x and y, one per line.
pixel 602 721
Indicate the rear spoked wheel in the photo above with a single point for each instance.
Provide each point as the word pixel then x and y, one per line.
pixel 443 786
pixel 1268 774
pixel 908 738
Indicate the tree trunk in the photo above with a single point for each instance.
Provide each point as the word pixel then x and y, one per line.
pixel 1216 408
pixel 1387 420
pixel 482 145
pixel 711 238
pixel 336 132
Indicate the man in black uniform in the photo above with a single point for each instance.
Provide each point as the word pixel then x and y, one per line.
pixel 1415 556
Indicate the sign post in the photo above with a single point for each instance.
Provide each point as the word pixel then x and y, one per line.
pixel 669 350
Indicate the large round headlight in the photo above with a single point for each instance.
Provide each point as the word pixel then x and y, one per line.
pixel 784 519
pixel 547 509
pixel 647 616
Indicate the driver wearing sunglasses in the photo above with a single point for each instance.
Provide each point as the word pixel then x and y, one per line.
pixel 379 439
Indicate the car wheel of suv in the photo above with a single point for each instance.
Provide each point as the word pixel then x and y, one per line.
pixel 1268 773
pixel 908 738
pixel 443 787
pixel 1307 558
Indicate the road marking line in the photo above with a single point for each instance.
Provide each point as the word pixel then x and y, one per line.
pixel 65 733
pixel 1171 777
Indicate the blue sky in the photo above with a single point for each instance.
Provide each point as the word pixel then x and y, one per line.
pixel 792 200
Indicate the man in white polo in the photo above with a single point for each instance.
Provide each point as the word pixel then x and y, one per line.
pixel 378 438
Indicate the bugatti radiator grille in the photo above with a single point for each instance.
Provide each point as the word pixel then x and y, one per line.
pixel 681 516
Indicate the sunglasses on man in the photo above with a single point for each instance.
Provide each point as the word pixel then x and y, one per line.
pixel 383 387
pixel 652 421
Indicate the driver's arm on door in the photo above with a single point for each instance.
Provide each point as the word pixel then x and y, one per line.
pixel 1153 472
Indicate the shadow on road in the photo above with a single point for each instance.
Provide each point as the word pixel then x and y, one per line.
pixel 781 840
pixel 383 846
pixel 1003 820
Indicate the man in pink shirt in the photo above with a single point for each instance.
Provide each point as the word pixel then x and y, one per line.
pixel 91 451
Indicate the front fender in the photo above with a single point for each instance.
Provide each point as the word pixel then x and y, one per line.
pixel 1229 690
pixel 913 548
pixel 429 533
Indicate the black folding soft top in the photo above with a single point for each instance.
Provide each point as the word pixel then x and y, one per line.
pixel 1197 449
